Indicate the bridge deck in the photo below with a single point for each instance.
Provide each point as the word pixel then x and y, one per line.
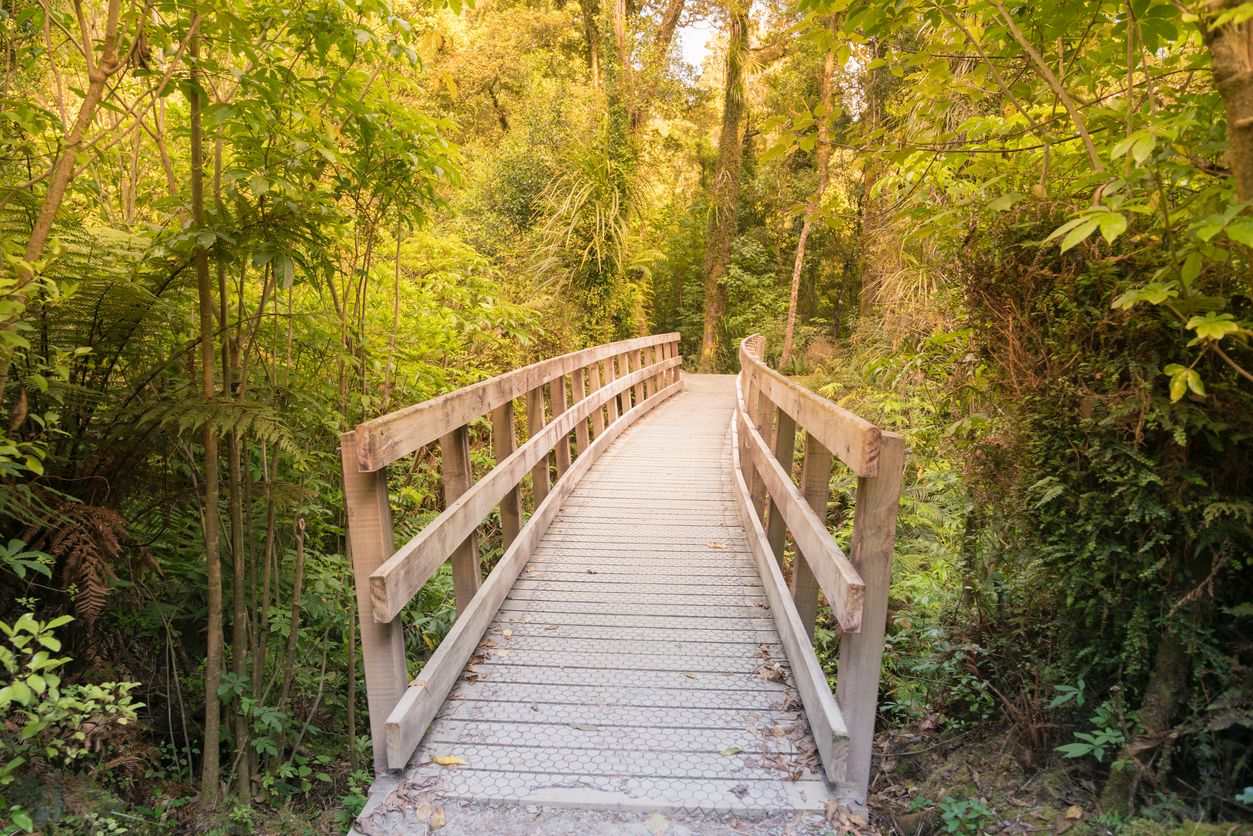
pixel 635 663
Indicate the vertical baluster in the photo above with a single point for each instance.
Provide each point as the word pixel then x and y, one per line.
pixel 629 396
pixel 578 388
pixel 637 357
pixel 784 450
pixel 815 486
pixel 370 541
pixel 535 421
pixel 611 374
pixel 598 417
pixel 455 451
pixel 504 440
pixel 557 401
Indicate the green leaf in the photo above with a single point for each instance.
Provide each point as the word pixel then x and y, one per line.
pixel 1079 234
pixel 1213 326
pixel 731 750
pixel 22 819
pixel 1005 202
pixel 1241 232
pixel 1155 294
pixel 1112 225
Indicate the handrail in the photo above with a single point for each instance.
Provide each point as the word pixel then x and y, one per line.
pixel 771 407
pixel 389 437
pixel 612 385
pixel 853 439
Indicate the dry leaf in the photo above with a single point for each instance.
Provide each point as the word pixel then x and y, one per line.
pixel 502 653
pixel 656 824
pixel 437 819
pixel 690 675
pixel 1074 812
pixel 716 545
pixel 448 760
pixel 507 633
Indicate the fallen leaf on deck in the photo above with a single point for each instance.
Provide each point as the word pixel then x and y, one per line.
pixel 448 760
pixel 731 750
pixel 437 819
pixel 716 545
pixel 656 823
pixel 591 571
pixel 507 633
pixel 739 790
pixel 690 675
pixel 502 653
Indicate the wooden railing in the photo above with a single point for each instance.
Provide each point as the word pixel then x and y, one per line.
pixel 592 395
pixel 770 409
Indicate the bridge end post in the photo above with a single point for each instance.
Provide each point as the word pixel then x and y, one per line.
pixel 369 545
pixel 861 653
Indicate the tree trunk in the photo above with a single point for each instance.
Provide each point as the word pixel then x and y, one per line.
pixel 1231 52
pixel 726 188
pixel 811 209
pixel 210 773
pixel 1166 691
pixel 98 72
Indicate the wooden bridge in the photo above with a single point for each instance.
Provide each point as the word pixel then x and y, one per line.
pixel 643 643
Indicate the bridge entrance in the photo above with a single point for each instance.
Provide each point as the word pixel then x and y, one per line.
pixel 643 644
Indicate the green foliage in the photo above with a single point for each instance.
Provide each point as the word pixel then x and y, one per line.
pixel 45 723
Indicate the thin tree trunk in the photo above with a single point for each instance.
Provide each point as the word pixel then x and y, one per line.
pixel 726 187
pixel 210 768
pixel 811 208
pixel 98 73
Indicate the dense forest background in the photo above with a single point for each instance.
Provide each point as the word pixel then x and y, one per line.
pixel 1018 233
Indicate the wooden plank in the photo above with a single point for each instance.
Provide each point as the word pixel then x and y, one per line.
pixel 455 452
pixel 504 442
pixel 611 374
pixel 815 486
pixel 835 574
pixel 535 421
pixel 557 401
pixel 853 439
pixel 396 581
pixel 385 439
pixel 578 391
pixel 642 386
pixel 598 417
pixel 861 654
pixel 370 542
pixel 762 412
pixel 411 717
pixel 825 720
pixel 784 450
pixel 629 398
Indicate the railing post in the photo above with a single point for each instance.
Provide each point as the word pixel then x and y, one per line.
pixel 815 486
pixel 578 388
pixel 535 422
pixel 784 450
pixel 630 395
pixel 370 543
pixel 455 451
pixel 874 536
pixel 504 441
pixel 611 374
pixel 637 357
pixel 761 416
pixel 598 417
pixel 651 355
pixel 557 400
